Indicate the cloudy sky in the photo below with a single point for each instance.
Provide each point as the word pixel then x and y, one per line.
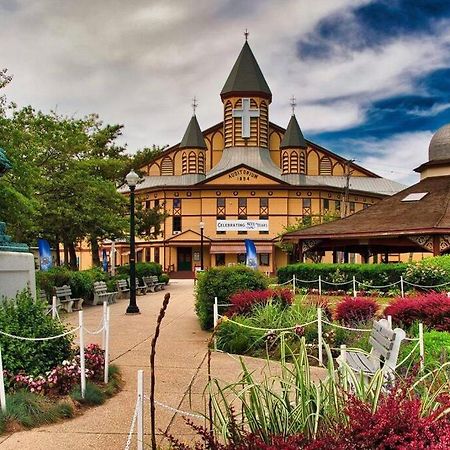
pixel 371 78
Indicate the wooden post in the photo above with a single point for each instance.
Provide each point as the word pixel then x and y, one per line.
pixel 354 286
pixel 105 306
pixel 320 286
pixel 54 307
pixel 389 319
pixel 2 385
pixel 82 361
pixel 293 284
pixel 319 332
pixel 421 347
pixel 216 318
pixel 140 410
pixel 402 287
pixel 106 369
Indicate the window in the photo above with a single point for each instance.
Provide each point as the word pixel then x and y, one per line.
pixel 325 167
pixel 241 258
pixel 263 211
pixel 326 205
pixel 192 162
pixel 167 166
pixel 220 259
pixel 176 224
pixel 285 162
pixel 176 204
pixel 184 163
pixel 156 258
pixel 414 197
pixel 306 212
pixel 220 212
pixel 264 259
pixel 242 211
pixel 147 204
pixel 147 254
pixel 156 203
pixel 294 163
pixel 201 163
pixel 302 163
pixel 352 207
pixel 337 206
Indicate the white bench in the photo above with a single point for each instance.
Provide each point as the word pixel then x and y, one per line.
pixel 64 296
pixel 141 289
pixel 122 288
pixel 101 294
pixel 384 354
pixel 153 283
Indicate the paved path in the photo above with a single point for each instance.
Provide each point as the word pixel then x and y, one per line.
pixel 180 375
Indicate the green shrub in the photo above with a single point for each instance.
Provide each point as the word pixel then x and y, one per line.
pixel 164 278
pixel 223 282
pixel 233 338
pixel 374 274
pixel 93 395
pixel 429 271
pixel 25 317
pixel 143 269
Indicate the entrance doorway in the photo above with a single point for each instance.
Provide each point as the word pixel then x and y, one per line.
pixel 184 259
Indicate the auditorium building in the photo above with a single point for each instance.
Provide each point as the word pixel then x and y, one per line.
pixel 245 178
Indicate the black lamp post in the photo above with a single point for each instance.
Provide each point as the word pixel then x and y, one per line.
pixel 132 178
pixel 202 226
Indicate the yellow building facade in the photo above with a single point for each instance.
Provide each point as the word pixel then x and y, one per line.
pixel 242 173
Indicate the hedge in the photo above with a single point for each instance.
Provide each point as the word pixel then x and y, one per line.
pixel 374 274
pixel 223 282
pixel 143 269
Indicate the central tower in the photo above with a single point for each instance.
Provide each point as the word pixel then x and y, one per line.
pixel 246 97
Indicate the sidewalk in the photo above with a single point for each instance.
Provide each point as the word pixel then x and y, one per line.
pixel 180 375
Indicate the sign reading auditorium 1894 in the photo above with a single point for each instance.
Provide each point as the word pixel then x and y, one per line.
pixel 243 175
pixel 242 225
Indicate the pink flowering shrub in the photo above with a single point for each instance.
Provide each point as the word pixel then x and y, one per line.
pixel 242 302
pixel 61 379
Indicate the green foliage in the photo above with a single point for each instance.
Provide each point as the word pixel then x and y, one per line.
pixel 164 278
pixel 374 274
pixel 143 269
pixel 223 282
pixel 31 410
pixel 25 317
pixel 429 271
pixel 93 395
pixel 235 339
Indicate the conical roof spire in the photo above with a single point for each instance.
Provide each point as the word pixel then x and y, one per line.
pixel 293 137
pixel 246 76
pixel 193 137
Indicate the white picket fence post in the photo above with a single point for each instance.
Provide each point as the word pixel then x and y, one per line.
pixel 402 287
pixel 216 318
pixel 320 286
pixel 293 284
pixel 105 306
pixel 389 319
pixel 2 385
pixel 82 361
pixel 421 347
pixel 319 332
pixel 54 307
pixel 354 286
pixel 140 410
pixel 106 325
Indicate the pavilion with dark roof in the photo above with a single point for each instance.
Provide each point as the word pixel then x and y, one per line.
pixel 416 219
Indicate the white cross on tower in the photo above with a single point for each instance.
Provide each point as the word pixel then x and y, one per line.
pixel 246 113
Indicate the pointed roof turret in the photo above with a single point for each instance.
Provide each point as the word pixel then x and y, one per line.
pixel 293 137
pixel 246 76
pixel 193 137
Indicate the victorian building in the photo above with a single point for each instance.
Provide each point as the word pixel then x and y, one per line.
pixel 245 178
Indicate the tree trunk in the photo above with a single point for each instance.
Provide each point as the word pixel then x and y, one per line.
pixel 73 256
pixel 95 253
pixel 58 255
pixel 66 253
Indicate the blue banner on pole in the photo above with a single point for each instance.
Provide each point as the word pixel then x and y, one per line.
pixel 45 255
pixel 105 261
pixel 251 257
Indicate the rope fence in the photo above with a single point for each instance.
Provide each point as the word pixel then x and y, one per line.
pixel 294 281
pixel 103 328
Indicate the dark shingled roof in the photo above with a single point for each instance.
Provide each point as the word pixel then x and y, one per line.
pixel 246 76
pixel 193 137
pixel 392 216
pixel 293 138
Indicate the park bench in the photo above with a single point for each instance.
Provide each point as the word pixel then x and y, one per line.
pixel 385 344
pixel 153 283
pixel 122 288
pixel 101 294
pixel 141 289
pixel 64 296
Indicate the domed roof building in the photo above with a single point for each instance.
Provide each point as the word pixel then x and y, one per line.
pixel 416 219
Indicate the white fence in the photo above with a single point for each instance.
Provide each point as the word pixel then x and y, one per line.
pixel 103 328
pixel 320 339
pixel 355 284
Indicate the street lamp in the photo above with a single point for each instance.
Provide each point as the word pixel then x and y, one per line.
pixel 132 178
pixel 202 226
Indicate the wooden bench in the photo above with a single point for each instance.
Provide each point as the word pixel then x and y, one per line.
pixel 122 288
pixel 384 354
pixel 153 283
pixel 101 294
pixel 141 289
pixel 64 296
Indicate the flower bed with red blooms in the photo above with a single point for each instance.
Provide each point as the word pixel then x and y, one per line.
pixel 351 311
pixel 242 302
pixel 62 378
pixel 432 309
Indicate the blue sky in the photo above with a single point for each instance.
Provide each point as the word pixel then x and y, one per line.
pixel 371 78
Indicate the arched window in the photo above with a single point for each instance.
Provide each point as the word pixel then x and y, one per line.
pixel 228 124
pixel 201 163
pixel 302 163
pixel 294 162
pixel 192 164
pixel 167 166
pixel 325 166
pixel 285 162
pixel 184 163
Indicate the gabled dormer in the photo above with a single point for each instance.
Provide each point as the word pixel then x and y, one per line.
pixel 293 149
pixel 193 148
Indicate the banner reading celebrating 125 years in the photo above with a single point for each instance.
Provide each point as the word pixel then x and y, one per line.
pixel 242 225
